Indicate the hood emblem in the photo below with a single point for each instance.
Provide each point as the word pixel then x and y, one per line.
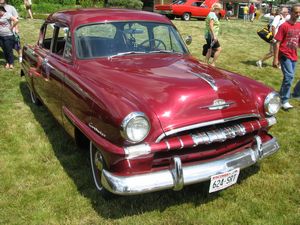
pixel 218 104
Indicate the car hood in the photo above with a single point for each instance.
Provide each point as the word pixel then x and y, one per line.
pixel 177 88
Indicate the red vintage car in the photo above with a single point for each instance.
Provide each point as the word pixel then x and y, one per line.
pixel 123 84
pixel 186 9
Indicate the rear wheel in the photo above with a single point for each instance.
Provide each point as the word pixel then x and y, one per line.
pixel 33 97
pixel 186 16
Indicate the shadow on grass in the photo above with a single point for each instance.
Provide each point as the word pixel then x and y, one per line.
pixel 76 164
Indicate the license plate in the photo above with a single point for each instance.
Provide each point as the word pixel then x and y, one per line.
pixel 224 180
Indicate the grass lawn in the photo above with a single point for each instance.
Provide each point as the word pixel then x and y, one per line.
pixel 44 179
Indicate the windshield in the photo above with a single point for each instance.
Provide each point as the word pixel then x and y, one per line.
pixel 121 38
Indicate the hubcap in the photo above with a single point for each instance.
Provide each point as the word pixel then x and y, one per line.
pixel 33 99
pixel 98 161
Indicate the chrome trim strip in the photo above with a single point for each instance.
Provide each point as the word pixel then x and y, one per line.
pixel 168 145
pixel 137 150
pixel 208 79
pixel 271 121
pixel 181 143
pixel 208 123
pixel 161 180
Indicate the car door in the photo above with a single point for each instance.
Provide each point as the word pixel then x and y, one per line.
pixel 35 55
pixel 54 67
pixel 195 8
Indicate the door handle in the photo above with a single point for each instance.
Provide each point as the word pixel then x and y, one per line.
pixel 47 68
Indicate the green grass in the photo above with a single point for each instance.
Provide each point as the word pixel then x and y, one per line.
pixel 44 179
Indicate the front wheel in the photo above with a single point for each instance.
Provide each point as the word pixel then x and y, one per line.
pixel 186 16
pixel 97 165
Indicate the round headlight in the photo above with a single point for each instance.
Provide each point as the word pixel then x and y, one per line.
pixel 135 127
pixel 272 103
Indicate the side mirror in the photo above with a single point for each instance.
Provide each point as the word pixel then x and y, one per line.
pixel 188 40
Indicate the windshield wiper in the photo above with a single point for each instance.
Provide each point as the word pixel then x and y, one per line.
pixel 125 53
pixel 162 51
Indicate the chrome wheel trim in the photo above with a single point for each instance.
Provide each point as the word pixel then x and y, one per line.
pixel 186 16
pixel 32 96
pixel 96 163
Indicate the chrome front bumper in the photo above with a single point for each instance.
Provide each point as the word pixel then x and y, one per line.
pixel 178 176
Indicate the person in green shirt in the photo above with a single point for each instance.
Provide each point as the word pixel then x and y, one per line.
pixel 212 26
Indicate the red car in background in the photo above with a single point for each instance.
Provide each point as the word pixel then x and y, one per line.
pixel 186 9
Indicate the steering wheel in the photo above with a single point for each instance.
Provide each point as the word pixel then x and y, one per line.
pixel 156 42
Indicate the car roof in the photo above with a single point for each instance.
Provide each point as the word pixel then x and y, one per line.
pixel 76 17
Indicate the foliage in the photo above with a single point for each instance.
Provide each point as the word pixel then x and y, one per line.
pixel 46 180
pixel 62 2
pixel 132 4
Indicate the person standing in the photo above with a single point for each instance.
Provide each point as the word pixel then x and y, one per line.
pixel 279 19
pixel 27 4
pixel 229 12
pixel 287 42
pixel 12 10
pixel 251 12
pixel 7 24
pixel 212 26
pixel 246 13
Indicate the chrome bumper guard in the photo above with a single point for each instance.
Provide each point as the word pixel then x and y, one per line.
pixel 178 176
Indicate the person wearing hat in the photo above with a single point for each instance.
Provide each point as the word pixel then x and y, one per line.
pixel 212 26
pixel 7 41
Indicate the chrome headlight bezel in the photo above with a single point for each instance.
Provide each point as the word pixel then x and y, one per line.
pixel 271 97
pixel 131 118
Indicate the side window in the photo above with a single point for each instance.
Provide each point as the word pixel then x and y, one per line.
pixel 68 46
pixel 47 36
pixel 60 38
pixel 197 4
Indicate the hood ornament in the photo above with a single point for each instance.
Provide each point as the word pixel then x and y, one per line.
pixel 218 104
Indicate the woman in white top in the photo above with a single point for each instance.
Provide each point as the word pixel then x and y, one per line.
pixel 7 41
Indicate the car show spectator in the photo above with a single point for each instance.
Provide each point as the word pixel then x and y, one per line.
pixel 287 42
pixel 27 4
pixel 281 16
pixel 212 26
pixel 12 10
pixel 246 13
pixel 7 24
pixel 229 9
pixel 251 12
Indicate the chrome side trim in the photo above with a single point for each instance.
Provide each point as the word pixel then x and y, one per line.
pixel 172 178
pixel 208 123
